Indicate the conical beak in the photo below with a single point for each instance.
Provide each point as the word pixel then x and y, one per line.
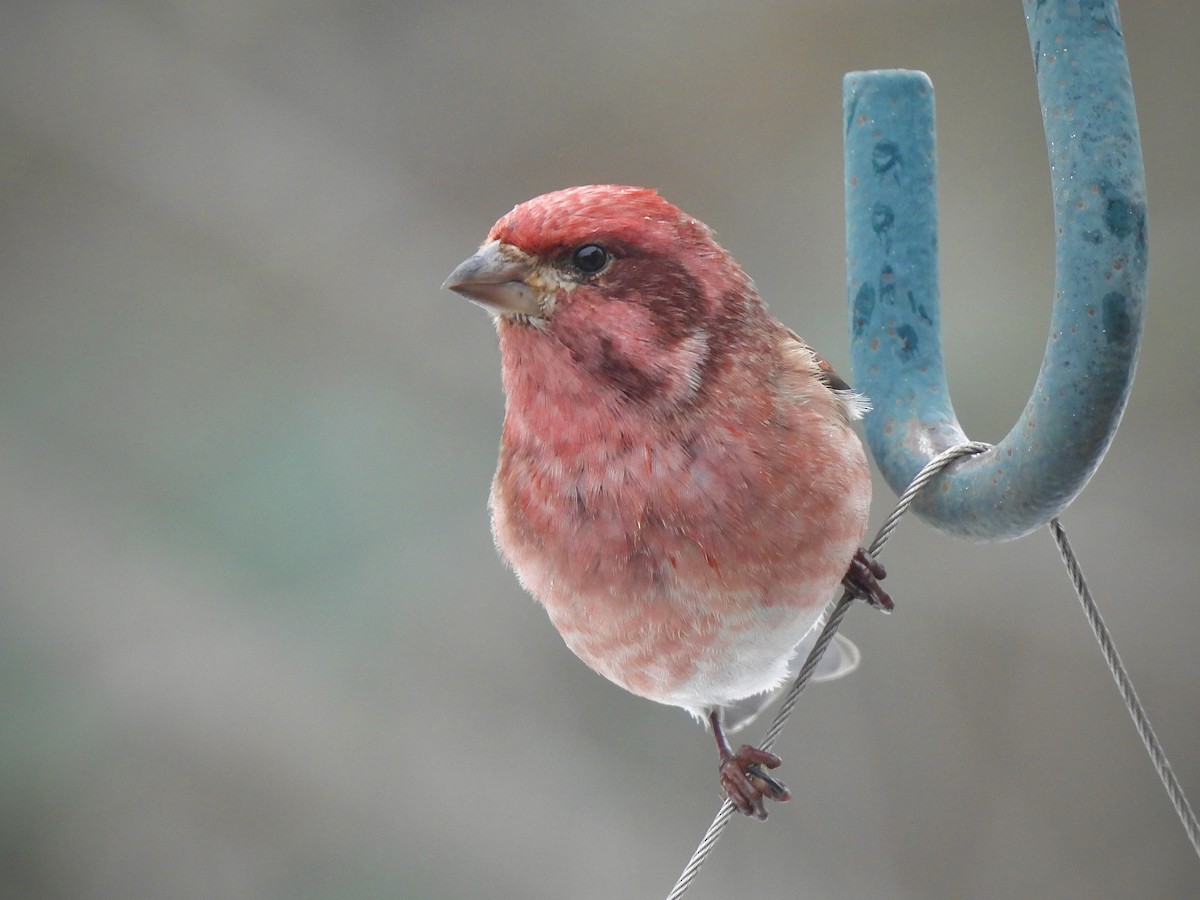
pixel 495 279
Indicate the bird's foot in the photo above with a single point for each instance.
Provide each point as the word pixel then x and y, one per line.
pixel 747 785
pixel 862 580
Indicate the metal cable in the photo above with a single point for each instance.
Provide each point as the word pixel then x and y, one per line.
pixel 725 813
pixel 1125 687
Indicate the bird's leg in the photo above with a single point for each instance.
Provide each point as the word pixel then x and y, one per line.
pixel 744 782
pixel 862 580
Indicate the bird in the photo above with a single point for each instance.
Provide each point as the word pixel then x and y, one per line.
pixel 679 483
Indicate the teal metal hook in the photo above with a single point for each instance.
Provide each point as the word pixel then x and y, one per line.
pixel 1099 194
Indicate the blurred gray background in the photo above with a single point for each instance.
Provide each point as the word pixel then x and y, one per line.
pixel 254 638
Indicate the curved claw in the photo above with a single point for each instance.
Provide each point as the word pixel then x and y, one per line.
pixel 862 580
pixel 742 777
pixel 746 785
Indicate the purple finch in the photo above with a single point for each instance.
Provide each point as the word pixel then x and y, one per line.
pixel 678 484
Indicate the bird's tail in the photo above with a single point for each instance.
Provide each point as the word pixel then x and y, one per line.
pixel 841 658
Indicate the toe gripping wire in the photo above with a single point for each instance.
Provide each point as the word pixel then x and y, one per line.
pixel 725 813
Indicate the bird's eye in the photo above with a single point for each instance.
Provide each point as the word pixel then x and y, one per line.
pixel 590 258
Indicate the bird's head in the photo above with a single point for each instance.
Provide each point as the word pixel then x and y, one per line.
pixel 637 290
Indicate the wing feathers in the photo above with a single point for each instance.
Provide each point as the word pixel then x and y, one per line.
pixel 854 405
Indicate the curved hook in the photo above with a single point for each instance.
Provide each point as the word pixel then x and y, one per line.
pixel 1095 331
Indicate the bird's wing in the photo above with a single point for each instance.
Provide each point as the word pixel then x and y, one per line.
pixel 854 404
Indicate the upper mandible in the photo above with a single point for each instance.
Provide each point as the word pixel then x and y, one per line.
pixel 1099 196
